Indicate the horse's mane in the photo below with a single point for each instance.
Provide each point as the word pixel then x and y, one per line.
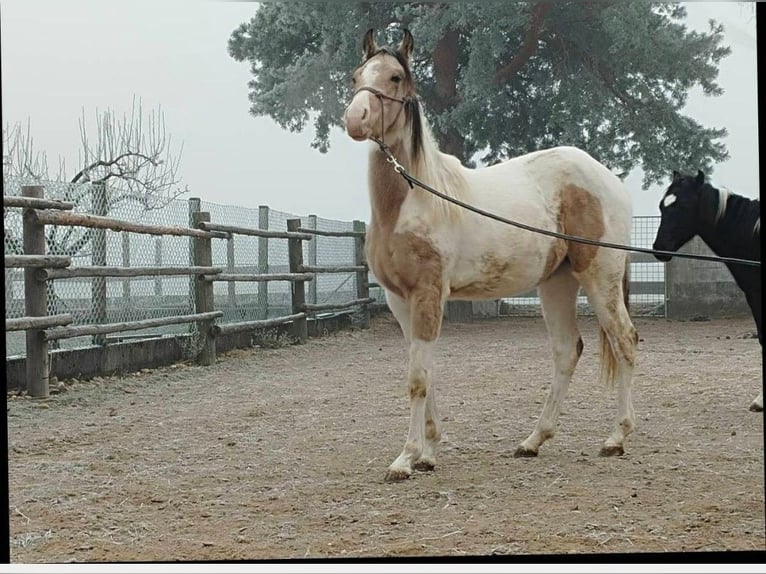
pixel 439 170
pixel 428 164
pixel 748 211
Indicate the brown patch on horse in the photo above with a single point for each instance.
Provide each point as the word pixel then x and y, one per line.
pixel 409 266
pixel 493 271
pixel 580 214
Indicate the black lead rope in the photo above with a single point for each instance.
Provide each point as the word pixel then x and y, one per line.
pixel 413 181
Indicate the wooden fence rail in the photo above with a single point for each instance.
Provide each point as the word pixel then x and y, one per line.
pixel 40 268
pixel 253 232
pixel 35 202
pixel 24 323
pixel 100 271
pixel 103 329
pixel 37 261
pixel 255 277
pixel 310 231
pixel 47 217
pixel 332 269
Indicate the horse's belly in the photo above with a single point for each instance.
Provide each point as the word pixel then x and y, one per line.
pixel 494 277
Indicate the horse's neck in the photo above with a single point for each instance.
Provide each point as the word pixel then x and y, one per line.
pixel 388 189
pixel 732 235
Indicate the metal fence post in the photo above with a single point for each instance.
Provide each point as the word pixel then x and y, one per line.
pixel 203 292
pixel 362 279
pixel 35 301
pixel 98 257
pixel 158 263
pixel 298 288
pixel 263 263
pixel 194 206
pixel 312 224
pixel 126 263
pixel 230 268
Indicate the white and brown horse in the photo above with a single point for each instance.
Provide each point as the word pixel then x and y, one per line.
pixel 425 251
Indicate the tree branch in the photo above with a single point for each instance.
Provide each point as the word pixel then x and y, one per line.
pixel 102 163
pixel 528 46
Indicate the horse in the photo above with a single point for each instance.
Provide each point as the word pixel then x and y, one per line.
pixel 424 251
pixel 728 223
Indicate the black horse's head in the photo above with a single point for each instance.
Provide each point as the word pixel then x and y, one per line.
pixel 680 213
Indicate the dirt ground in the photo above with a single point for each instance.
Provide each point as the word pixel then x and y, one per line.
pixel 278 453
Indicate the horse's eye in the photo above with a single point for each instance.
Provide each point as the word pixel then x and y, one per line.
pixel 353 81
pixel 396 79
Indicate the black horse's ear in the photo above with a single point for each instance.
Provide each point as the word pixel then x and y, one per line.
pixel 700 177
pixel 369 45
pixel 676 176
pixel 407 44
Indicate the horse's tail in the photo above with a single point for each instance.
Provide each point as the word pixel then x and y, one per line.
pixel 608 360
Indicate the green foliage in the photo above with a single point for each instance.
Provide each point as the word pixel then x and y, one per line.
pixel 608 77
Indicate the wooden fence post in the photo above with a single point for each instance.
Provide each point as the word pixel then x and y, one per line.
pixel 98 257
pixel 203 292
pixel 126 263
pixel 312 224
pixel 362 280
pixel 230 268
pixel 35 301
pixel 158 263
pixel 298 288
pixel 263 263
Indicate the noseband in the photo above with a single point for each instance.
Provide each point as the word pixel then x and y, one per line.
pixel 381 96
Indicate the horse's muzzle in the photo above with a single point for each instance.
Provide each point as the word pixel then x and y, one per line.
pixel 357 120
pixel 663 258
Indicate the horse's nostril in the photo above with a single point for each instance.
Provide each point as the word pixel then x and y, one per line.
pixel 364 114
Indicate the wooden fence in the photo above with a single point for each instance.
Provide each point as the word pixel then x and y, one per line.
pixel 40 268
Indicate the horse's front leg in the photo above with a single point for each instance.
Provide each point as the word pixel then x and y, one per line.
pixel 425 310
pixel 754 300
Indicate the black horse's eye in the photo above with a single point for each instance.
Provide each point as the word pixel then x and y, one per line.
pixel 396 79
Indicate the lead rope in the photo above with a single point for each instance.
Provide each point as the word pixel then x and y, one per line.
pixel 399 168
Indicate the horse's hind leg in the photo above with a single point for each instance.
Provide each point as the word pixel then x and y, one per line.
pixel 606 293
pixel 424 310
pixel 558 296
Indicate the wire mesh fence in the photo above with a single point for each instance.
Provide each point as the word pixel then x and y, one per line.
pixel 139 298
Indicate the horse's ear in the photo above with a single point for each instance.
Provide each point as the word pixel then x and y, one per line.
pixel 407 44
pixel 700 177
pixel 369 45
pixel 676 176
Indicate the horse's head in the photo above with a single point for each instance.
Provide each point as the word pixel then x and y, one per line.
pixel 383 88
pixel 680 209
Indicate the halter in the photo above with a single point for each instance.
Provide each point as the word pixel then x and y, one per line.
pixel 381 96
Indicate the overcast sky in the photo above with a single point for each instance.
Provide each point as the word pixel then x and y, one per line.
pixel 60 56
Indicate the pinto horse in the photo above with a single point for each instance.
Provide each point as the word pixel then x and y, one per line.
pixel 728 223
pixel 425 251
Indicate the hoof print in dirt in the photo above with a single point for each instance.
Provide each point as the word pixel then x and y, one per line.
pixel 522 452
pixel 611 451
pixel 424 466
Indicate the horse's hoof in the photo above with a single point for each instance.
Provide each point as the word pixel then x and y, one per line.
pixel 615 450
pixel 524 452
pixel 756 408
pixel 424 466
pixel 396 475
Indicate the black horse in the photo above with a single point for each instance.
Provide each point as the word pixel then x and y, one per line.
pixel 728 223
